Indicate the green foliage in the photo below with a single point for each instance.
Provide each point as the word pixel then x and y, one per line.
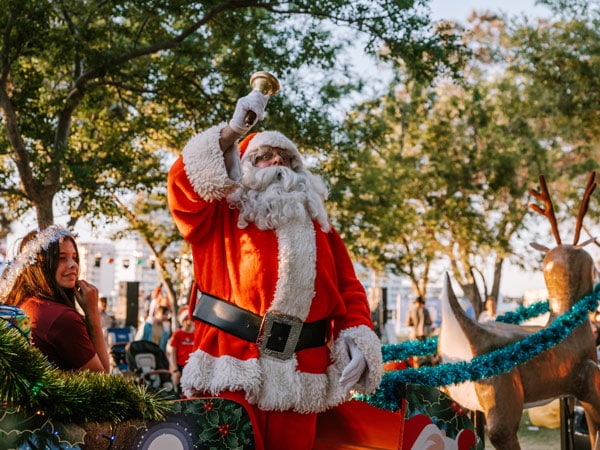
pixel 570 8
pixel 94 95
pixel 443 172
pixel 447 177
pixel 223 423
pixel 32 386
pixel 559 62
pixel 96 98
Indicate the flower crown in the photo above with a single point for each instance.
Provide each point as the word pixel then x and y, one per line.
pixel 28 255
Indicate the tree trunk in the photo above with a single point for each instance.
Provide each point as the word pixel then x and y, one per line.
pixel 497 278
pixel 44 209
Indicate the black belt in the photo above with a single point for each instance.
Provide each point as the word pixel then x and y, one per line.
pixel 277 334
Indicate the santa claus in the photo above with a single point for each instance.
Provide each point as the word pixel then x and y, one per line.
pixel 281 318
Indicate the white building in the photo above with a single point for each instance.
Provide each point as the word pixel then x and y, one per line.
pixel 397 294
pixel 97 266
pixel 115 268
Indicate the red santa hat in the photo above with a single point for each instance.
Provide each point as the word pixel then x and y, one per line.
pixel 183 314
pixel 251 143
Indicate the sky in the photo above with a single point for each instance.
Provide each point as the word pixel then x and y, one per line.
pixel 460 9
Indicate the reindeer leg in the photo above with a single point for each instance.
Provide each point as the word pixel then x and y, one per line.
pixel 593 432
pixel 589 397
pixel 502 399
pixel 591 412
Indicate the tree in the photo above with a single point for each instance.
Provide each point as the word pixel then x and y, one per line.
pixel 376 190
pixel 445 175
pixel 443 172
pixel 558 63
pixel 93 94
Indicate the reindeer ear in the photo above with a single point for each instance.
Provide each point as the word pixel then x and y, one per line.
pixel 447 290
pixel 583 244
pixel 539 247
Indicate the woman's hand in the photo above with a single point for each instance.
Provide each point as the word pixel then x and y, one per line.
pixel 86 295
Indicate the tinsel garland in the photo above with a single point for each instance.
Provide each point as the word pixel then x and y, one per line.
pixel 407 349
pixel 389 393
pixel 32 386
pixel 428 347
pixel 522 313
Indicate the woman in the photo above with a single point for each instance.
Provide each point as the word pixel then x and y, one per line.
pixel 43 281
pixel 489 313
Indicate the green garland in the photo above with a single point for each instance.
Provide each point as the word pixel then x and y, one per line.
pixel 30 385
pixel 389 393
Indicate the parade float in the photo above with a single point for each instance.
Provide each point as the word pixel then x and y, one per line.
pixel 46 408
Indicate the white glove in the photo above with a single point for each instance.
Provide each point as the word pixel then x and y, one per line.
pixel 255 101
pixel 355 368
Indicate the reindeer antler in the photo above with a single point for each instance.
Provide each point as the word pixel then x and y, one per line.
pixel 548 212
pixel 589 189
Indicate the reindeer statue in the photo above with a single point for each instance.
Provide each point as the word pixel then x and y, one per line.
pixel 568 368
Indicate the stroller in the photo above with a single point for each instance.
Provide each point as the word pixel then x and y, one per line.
pixel 151 367
pixel 118 338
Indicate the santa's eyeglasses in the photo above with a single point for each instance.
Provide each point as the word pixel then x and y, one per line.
pixel 269 153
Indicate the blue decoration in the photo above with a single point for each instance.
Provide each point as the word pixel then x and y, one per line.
pixel 388 394
pixel 522 313
pixel 406 349
pixel 428 347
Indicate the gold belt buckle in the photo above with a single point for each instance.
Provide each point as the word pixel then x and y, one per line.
pixel 271 319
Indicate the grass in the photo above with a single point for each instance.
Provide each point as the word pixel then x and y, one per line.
pixel 534 438
pixel 540 438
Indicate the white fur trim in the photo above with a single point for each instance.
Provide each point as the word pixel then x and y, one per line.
pixel 287 389
pixel 206 373
pixel 297 268
pixel 272 139
pixel 269 383
pixel 370 346
pixel 212 173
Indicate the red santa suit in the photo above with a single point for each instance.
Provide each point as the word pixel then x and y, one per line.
pixel 301 269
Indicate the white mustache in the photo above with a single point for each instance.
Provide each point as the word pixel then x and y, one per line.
pixel 261 179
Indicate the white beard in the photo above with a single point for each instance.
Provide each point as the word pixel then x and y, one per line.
pixel 275 196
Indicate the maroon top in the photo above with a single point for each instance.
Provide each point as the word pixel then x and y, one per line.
pixel 59 332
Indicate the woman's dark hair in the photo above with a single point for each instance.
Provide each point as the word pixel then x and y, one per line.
pixel 39 279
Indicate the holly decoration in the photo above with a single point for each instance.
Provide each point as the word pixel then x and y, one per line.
pixel 222 423
pixel 448 415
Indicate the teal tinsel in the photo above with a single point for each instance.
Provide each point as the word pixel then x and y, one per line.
pixel 427 347
pixel 389 393
pixel 406 349
pixel 521 314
